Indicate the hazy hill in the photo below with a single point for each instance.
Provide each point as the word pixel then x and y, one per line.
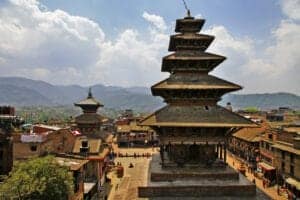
pixel 263 101
pixel 22 92
pixel 26 92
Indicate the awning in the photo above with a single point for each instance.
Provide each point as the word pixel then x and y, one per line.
pixel 293 182
pixel 265 166
pixel 132 134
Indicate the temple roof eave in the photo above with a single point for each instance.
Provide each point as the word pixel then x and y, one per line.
pixel 89 102
pixel 198 56
pixel 196 116
pixel 183 25
pixel 185 39
pixel 198 125
pixel 165 86
pixel 210 83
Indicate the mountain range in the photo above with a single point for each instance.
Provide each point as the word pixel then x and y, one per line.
pixel 20 92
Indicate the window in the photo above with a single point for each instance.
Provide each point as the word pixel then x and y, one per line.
pixel 77 180
pixel 267 146
pixel 282 155
pixel 33 148
pixel 270 136
pixel 283 166
pixel 292 157
pixel 292 170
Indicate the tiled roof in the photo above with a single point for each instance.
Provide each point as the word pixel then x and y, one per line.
pixel 89 101
pixel 189 23
pixel 89 118
pixel 287 148
pixel 191 61
pixel 123 128
pixel 195 81
pixel 133 126
pixel 250 134
pixel 293 129
pixel 194 55
pixel 93 143
pixel 199 41
pixel 196 116
pixel 193 36
pixel 73 163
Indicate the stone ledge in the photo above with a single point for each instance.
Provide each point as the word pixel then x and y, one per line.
pixel 193 176
pixel 197 191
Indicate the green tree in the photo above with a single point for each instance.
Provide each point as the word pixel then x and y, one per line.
pixel 38 178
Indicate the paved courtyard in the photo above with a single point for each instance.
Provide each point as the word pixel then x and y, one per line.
pixel 126 187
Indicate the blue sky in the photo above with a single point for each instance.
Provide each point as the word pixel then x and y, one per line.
pixel 243 17
pixel 121 43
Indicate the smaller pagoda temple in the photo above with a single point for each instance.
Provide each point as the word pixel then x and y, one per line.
pixel 90 121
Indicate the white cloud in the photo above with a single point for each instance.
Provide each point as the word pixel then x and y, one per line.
pixel 291 8
pixel 200 16
pixel 61 48
pixel 64 49
pixel 274 68
pixel 156 20
pixel 32 40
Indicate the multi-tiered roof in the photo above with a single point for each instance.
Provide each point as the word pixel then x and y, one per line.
pixel 90 116
pixel 190 92
pixel 90 104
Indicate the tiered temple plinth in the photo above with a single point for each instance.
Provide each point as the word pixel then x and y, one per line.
pixel 192 128
pixel 192 181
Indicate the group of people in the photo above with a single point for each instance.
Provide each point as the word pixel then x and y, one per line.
pixel 135 155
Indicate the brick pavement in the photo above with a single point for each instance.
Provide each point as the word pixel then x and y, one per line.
pixel 126 187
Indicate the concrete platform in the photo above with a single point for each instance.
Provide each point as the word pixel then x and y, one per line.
pixel 189 172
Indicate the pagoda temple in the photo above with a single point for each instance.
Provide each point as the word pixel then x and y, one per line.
pixel 192 128
pixel 90 121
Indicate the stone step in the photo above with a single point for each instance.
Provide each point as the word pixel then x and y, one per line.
pixel 164 176
pixel 197 191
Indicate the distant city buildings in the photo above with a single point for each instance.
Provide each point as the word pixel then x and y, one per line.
pixel 129 133
pixel 85 147
pixel 8 122
pixel 41 140
pixel 273 149
pixel 245 143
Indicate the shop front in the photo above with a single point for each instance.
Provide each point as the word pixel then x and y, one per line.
pixel 293 186
pixel 268 172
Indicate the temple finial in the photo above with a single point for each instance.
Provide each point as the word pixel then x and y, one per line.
pixel 188 12
pixel 90 95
